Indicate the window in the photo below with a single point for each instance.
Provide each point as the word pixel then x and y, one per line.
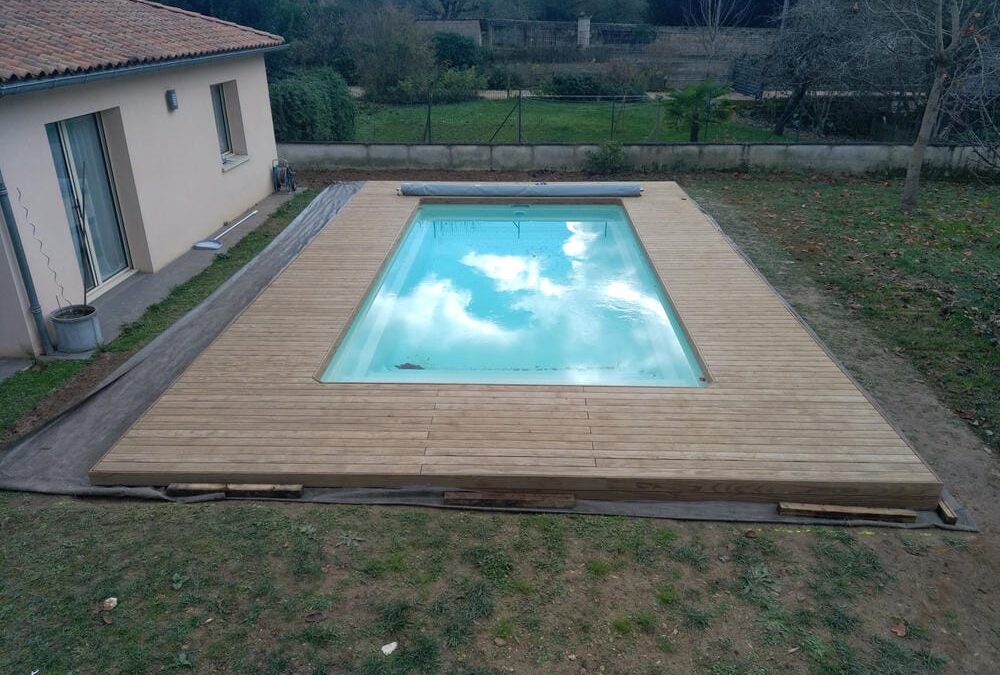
pixel 79 151
pixel 229 124
pixel 222 121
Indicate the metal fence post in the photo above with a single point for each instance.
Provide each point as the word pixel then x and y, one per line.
pixel 427 125
pixel 612 119
pixel 520 117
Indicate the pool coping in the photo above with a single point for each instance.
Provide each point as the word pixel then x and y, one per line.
pixel 765 428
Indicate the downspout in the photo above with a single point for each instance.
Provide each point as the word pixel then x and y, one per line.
pixel 22 265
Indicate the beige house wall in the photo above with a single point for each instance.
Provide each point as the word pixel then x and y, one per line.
pixel 170 180
pixel 14 317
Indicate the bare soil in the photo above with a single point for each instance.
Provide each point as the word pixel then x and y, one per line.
pixel 71 393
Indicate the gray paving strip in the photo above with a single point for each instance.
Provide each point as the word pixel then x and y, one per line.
pixel 55 459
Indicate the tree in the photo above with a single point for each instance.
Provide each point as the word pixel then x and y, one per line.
pixel 822 46
pixel 714 18
pixel 449 10
pixel 953 41
pixel 452 50
pixel 673 12
pixel 698 105
pixel 390 49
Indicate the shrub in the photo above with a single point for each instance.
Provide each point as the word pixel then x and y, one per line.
pixel 587 85
pixel 452 50
pixel 503 77
pixel 458 85
pixel 453 85
pixel 608 159
pixel 697 106
pixel 313 105
pixel 389 49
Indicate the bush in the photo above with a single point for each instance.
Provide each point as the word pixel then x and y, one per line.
pixel 698 105
pixel 503 77
pixel 608 159
pixel 453 86
pixel 452 50
pixel 458 85
pixel 390 49
pixel 587 85
pixel 313 105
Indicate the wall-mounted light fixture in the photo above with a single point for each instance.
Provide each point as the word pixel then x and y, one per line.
pixel 172 103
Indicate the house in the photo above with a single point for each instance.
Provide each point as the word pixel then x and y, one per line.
pixel 128 131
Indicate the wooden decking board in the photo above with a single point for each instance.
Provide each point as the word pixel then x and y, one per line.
pixel 779 420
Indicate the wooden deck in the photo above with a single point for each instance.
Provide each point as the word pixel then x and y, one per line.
pixel 779 419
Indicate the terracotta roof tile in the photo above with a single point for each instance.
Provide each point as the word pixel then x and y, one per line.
pixel 44 38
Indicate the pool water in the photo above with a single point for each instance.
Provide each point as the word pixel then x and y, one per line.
pixel 517 294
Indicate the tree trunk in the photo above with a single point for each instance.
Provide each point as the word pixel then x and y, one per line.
pixel 791 106
pixel 916 163
pixel 695 128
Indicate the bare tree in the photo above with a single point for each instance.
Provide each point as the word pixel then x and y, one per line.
pixel 822 48
pixel 449 10
pixel 389 49
pixel 714 18
pixel 951 40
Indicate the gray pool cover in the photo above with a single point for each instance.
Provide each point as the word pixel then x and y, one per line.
pixel 55 458
pixel 521 189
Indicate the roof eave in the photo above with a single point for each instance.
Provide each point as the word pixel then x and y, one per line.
pixel 38 84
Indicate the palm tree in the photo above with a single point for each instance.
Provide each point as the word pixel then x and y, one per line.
pixel 698 105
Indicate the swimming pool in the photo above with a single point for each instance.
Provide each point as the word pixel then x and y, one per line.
pixel 559 294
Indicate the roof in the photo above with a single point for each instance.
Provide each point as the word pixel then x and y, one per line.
pixel 53 38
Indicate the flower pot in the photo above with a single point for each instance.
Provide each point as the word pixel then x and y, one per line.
pixel 77 329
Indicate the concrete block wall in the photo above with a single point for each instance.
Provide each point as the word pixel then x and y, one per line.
pixel 852 159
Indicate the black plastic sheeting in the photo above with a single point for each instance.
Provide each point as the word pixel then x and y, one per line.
pixel 520 189
pixel 55 459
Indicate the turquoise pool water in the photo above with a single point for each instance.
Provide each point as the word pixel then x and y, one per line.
pixel 517 294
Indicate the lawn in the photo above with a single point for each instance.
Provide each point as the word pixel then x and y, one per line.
pixel 20 393
pixel 926 285
pixel 283 588
pixel 543 121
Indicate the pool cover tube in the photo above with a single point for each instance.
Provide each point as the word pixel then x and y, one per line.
pixel 520 189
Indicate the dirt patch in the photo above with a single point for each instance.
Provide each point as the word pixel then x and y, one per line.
pixel 66 396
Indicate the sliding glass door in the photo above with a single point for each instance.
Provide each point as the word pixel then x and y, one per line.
pixel 88 193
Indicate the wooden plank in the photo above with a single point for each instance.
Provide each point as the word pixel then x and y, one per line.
pixel 835 511
pixel 189 489
pixel 947 513
pixel 537 500
pixel 263 490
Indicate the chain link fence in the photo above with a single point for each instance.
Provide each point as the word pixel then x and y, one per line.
pixel 524 117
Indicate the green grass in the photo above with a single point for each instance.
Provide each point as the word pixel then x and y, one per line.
pixel 543 121
pixel 242 587
pixel 925 284
pixel 22 392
